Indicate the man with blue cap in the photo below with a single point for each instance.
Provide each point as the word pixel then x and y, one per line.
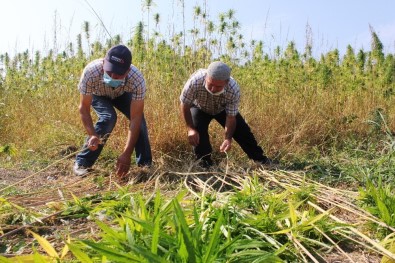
pixel 213 94
pixel 105 85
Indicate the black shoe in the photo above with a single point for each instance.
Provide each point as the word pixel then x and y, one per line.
pixel 144 165
pixel 206 163
pixel 268 163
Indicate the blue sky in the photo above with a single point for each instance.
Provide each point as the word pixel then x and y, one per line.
pixel 27 24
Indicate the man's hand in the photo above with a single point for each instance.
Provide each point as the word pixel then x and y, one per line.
pixel 226 145
pixel 93 142
pixel 193 134
pixel 123 164
pixel 193 137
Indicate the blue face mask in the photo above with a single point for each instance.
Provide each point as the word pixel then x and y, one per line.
pixel 115 83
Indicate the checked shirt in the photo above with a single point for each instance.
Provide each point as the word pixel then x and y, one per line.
pixel 91 82
pixel 194 93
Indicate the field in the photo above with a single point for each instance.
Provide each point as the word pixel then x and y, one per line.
pixel 329 120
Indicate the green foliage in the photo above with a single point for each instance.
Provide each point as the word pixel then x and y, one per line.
pixel 253 224
pixel 331 116
pixel 79 207
pixel 11 213
pixel 8 149
pixel 377 47
pixel 378 198
pixel 322 93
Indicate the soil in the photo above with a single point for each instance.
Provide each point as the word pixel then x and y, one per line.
pixel 40 190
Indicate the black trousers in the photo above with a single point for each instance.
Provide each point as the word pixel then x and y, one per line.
pixel 242 135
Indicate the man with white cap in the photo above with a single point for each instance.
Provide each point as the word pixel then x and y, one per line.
pixel 108 84
pixel 213 94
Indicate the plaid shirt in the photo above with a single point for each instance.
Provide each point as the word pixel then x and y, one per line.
pixel 91 82
pixel 195 93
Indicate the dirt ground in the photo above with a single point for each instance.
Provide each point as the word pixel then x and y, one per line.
pixel 45 190
pixel 37 191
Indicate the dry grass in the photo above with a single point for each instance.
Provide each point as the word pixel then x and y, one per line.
pixel 287 116
pixel 54 186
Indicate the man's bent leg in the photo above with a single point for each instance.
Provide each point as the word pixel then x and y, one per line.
pixel 244 137
pixel 107 118
pixel 143 147
pixel 201 121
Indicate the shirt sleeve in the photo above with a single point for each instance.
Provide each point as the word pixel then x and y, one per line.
pixel 85 84
pixel 139 88
pixel 233 101
pixel 188 93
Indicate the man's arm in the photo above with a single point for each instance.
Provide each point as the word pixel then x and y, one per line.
pixel 193 134
pixel 86 118
pixel 187 116
pixel 230 126
pixel 136 116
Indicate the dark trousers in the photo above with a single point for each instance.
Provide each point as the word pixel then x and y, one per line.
pixel 242 135
pixel 107 117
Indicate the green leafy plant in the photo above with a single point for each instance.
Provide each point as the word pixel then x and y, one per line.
pixel 379 200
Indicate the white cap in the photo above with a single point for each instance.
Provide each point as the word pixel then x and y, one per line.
pixel 218 70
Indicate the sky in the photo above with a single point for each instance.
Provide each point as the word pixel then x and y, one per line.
pixel 30 24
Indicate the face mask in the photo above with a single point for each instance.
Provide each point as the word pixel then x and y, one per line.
pixel 215 93
pixel 115 83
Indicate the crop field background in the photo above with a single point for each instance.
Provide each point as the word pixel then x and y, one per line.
pixel 328 119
